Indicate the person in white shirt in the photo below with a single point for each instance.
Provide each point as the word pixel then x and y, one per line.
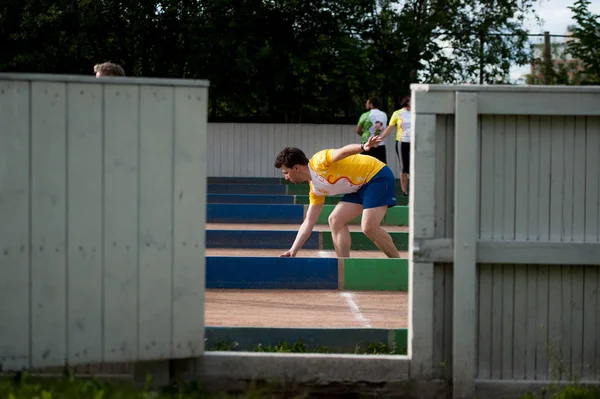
pixel 401 119
pixel 370 124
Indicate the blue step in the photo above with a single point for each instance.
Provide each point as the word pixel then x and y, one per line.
pixel 271 273
pixel 276 189
pixel 245 180
pixel 255 213
pixel 260 239
pixel 249 199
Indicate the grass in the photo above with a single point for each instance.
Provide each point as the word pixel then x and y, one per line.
pixel 372 348
pixel 68 387
pixel 569 391
pixel 23 386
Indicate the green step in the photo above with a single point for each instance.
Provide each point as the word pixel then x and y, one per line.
pixel 395 216
pixel 333 200
pixel 360 242
pixel 303 189
pixel 364 274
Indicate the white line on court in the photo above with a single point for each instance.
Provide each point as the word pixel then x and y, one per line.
pixel 355 310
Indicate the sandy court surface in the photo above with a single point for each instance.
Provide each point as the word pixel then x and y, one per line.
pixel 306 308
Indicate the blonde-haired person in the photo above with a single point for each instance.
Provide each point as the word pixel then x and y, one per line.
pixel 108 69
pixel 401 119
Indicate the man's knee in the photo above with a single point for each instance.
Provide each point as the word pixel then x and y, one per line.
pixel 369 228
pixel 335 222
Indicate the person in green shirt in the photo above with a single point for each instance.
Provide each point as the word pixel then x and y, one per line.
pixel 373 123
pixel 360 128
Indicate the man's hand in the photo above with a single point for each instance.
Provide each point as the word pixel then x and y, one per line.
pixel 287 254
pixel 372 143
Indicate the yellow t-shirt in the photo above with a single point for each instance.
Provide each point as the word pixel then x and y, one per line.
pixel 401 118
pixel 342 177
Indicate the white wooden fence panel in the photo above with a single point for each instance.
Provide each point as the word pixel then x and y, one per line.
pixel 85 160
pixel 15 219
pixel 547 329
pixel 539 182
pixel 189 219
pixel 155 221
pixel 534 178
pixel 48 224
pixel 121 226
pixel 103 202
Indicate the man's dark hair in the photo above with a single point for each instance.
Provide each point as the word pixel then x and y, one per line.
pixel 290 157
pixel 404 101
pixel 374 102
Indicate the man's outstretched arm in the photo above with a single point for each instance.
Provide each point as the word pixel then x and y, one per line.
pixel 352 149
pixel 312 214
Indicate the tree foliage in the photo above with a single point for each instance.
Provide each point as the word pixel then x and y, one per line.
pixel 274 60
pixel 586 46
pixel 565 70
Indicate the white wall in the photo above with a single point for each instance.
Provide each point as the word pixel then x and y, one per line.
pixel 249 150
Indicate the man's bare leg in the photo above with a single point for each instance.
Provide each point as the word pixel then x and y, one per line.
pixel 370 224
pixel 343 213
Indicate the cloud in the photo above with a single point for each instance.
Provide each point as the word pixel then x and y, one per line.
pixel 556 16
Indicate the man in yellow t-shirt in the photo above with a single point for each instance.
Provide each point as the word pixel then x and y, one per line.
pixel 368 185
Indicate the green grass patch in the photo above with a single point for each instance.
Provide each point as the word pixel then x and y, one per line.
pixel 568 391
pixel 23 386
pixel 371 348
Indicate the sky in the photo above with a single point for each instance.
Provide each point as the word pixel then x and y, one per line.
pixel 555 16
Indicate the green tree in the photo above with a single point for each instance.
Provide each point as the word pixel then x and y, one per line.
pixel 273 60
pixel 586 46
pixel 566 70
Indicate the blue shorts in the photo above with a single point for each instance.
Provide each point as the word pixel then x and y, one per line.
pixel 379 191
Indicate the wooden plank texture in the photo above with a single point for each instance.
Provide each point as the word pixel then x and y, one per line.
pixel 155 222
pixel 49 269
pixel 84 120
pixel 249 150
pixel 90 177
pixel 422 224
pixel 465 236
pixel 189 218
pixel 121 223
pixel 15 327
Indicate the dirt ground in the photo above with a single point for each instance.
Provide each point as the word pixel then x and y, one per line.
pixel 306 308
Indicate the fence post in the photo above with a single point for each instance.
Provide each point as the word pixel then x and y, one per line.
pixel 422 226
pixel 466 207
